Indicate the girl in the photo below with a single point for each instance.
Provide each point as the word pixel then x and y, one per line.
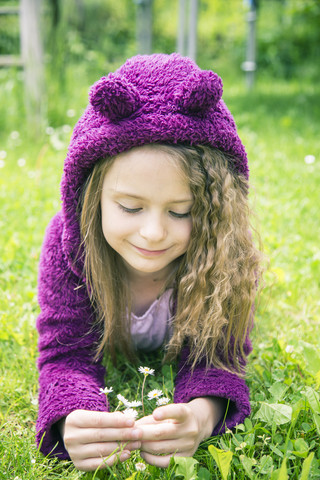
pixel 152 249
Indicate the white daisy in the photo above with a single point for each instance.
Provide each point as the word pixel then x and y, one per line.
pixel 146 371
pixel 154 394
pixel 140 467
pixel 106 390
pixel 131 412
pixel 163 401
pixel 134 404
pixel 123 400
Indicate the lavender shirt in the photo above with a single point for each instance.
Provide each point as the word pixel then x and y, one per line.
pixel 150 330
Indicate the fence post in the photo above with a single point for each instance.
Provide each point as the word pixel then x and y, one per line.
pixel 32 59
pixel 144 26
pixel 193 20
pixel 187 37
pixel 181 37
pixel 249 66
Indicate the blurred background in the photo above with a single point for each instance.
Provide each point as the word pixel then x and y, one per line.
pixel 72 43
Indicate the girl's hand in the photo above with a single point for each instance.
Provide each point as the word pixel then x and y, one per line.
pixel 177 429
pixel 94 439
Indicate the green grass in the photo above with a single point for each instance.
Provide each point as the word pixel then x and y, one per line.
pixel 278 123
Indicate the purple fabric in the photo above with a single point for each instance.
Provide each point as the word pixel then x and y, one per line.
pixel 157 98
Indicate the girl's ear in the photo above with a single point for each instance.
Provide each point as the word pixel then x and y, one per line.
pixel 200 92
pixel 114 97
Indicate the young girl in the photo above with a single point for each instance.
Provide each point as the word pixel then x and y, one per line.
pixel 151 250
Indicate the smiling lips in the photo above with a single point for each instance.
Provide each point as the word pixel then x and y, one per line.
pixel 150 253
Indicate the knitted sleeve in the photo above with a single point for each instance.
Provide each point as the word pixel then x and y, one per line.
pixel 217 383
pixel 69 378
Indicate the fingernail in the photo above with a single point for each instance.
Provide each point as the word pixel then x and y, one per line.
pixel 125 456
pixel 129 422
pixel 157 415
pixel 136 445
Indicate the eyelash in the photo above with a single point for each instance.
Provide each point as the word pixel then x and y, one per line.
pixel 137 210
pixel 129 210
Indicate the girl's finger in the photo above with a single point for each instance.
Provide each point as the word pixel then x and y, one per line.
pixel 157 460
pixel 100 435
pixel 175 411
pixel 162 447
pixel 88 419
pixel 159 431
pixel 101 450
pixel 91 464
pixel 145 421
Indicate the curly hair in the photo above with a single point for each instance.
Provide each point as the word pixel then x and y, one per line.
pixel 214 286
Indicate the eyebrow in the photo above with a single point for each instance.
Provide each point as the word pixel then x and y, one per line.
pixel 137 197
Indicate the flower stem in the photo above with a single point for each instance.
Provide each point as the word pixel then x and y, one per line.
pixel 144 381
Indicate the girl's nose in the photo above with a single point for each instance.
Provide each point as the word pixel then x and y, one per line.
pixel 153 230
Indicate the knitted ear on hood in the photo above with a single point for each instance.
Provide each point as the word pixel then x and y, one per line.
pixel 198 93
pixel 114 97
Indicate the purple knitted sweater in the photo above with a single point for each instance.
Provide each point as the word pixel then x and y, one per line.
pixel 69 378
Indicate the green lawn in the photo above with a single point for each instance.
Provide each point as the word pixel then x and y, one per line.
pixel 279 124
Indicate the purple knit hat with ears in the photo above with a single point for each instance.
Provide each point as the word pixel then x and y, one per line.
pixel 150 99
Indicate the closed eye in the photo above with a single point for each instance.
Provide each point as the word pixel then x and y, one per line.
pixel 129 210
pixel 180 215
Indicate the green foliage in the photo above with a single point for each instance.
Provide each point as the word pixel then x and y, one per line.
pixel 289 36
pixel 222 459
pixel 185 467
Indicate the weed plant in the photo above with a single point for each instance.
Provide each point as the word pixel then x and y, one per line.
pixel 278 123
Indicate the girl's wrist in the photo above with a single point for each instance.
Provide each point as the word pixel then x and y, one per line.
pixel 208 411
pixel 60 426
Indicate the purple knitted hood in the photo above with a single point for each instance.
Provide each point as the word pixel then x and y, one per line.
pixel 150 99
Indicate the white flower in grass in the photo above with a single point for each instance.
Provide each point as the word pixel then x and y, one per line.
pixel 21 162
pixel 163 401
pixel 2 163
pixel 131 412
pixel 154 394
pixel 140 467
pixel 3 154
pixel 134 404
pixel 123 400
pixel 309 159
pixel 14 135
pixel 66 128
pixel 49 131
pixel 106 390
pixel 146 371
pixel 289 348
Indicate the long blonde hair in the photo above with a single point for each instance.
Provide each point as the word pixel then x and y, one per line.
pixel 216 280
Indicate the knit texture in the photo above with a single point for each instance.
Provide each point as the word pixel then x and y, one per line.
pixel 157 98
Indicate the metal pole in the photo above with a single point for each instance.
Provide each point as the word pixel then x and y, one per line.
pixel 144 26
pixel 193 20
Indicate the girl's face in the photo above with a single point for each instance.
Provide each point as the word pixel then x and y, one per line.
pixel 145 206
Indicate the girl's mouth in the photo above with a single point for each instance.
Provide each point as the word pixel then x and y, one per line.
pixel 150 253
